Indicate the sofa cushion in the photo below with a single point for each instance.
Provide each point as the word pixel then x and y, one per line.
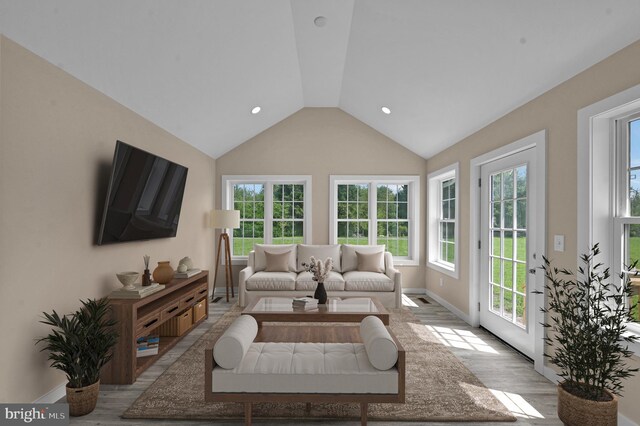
pixel 370 262
pixel 334 282
pixel 233 345
pixel 272 281
pixel 381 348
pixel 305 251
pixel 306 368
pixel 277 262
pixel 350 259
pixel 261 259
pixel 367 281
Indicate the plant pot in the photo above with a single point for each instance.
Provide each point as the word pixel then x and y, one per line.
pixel 320 294
pixel 576 411
pixel 82 400
pixel 163 273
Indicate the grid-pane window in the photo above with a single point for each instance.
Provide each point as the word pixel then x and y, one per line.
pixel 630 208
pixel 288 214
pixel 248 198
pixel 353 214
pixel 375 210
pixel 273 210
pixel 392 218
pixel 442 220
pixel 447 222
pixel 508 239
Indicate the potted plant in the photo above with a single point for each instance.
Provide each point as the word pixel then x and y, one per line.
pixel 79 345
pixel 586 317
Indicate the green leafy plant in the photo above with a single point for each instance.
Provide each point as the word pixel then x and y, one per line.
pixel 80 343
pixel 586 320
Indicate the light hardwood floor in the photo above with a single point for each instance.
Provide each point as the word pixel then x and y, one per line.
pixel 531 397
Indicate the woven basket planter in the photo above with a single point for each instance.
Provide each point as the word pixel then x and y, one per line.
pixel 575 411
pixel 82 400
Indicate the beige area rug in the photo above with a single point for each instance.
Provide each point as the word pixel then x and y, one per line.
pixel 438 386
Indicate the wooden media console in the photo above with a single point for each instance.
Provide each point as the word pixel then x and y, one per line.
pixel 141 317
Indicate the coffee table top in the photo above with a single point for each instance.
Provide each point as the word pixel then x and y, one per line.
pixel 351 309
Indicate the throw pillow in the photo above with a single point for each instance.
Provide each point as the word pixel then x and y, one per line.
pixel 370 262
pixel 349 259
pixel 277 262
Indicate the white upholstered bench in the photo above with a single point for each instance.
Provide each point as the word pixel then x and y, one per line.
pixel 237 369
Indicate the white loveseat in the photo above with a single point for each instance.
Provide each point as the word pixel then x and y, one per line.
pixel 345 280
pixel 237 369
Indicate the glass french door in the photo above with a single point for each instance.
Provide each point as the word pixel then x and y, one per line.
pixel 507 243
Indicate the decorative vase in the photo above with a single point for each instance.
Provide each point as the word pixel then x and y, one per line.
pixel 146 278
pixel 127 279
pixel 576 411
pixel 82 400
pixel 163 273
pixel 320 294
pixel 186 261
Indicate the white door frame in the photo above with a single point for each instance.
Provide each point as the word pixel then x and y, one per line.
pixel 538 141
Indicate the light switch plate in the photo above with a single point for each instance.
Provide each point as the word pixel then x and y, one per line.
pixel 558 242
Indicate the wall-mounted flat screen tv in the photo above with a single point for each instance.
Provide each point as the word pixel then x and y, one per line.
pixel 144 197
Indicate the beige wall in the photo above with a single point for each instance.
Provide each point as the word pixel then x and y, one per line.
pixel 556 111
pixel 56 136
pixel 323 142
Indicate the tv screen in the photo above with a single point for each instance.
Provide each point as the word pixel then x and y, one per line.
pixel 144 197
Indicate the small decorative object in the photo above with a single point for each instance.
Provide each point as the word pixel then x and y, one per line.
pixel 79 357
pixel 320 271
pixel 163 272
pixel 182 268
pixel 186 261
pixel 146 277
pixel 586 321
pixel 127 279
pixel 320 293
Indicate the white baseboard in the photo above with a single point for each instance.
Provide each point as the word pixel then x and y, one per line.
pixel 414 291
pixel 551 375
pixel 53 395
pixel 625 421
pixel 457 312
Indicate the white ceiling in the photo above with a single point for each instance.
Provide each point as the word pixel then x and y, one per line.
pixel 446 68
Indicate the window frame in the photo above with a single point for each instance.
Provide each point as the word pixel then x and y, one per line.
pixel 434 207
pixel 228 181
pixel 599 179
pixel 621 211
pixel 413 209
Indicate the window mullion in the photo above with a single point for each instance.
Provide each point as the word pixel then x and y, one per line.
pixel 373 213
pixel 268 212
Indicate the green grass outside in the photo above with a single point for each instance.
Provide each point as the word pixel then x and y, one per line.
pixel 507 283
pixel 242 247
pixel 398 247
pixel 634 254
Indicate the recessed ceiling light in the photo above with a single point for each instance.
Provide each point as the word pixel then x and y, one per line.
pixel 255 110
pixel 386 110
pixel 320 21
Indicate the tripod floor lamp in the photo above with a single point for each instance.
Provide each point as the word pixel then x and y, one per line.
pixel 224 219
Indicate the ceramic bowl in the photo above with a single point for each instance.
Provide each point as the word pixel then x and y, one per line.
pixel 127 279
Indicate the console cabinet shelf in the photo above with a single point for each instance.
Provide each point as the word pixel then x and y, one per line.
pixel 140 317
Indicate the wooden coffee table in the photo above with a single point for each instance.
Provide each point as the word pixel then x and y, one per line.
pixel 351 309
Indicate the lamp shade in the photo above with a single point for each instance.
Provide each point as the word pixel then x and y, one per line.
pixel 225 219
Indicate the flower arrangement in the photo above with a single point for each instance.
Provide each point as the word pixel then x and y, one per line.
pixel 320 270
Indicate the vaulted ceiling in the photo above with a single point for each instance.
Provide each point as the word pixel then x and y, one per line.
pixel 445 68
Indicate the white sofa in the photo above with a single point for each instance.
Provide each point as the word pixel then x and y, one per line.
pixel 237 369
pixel 345 279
